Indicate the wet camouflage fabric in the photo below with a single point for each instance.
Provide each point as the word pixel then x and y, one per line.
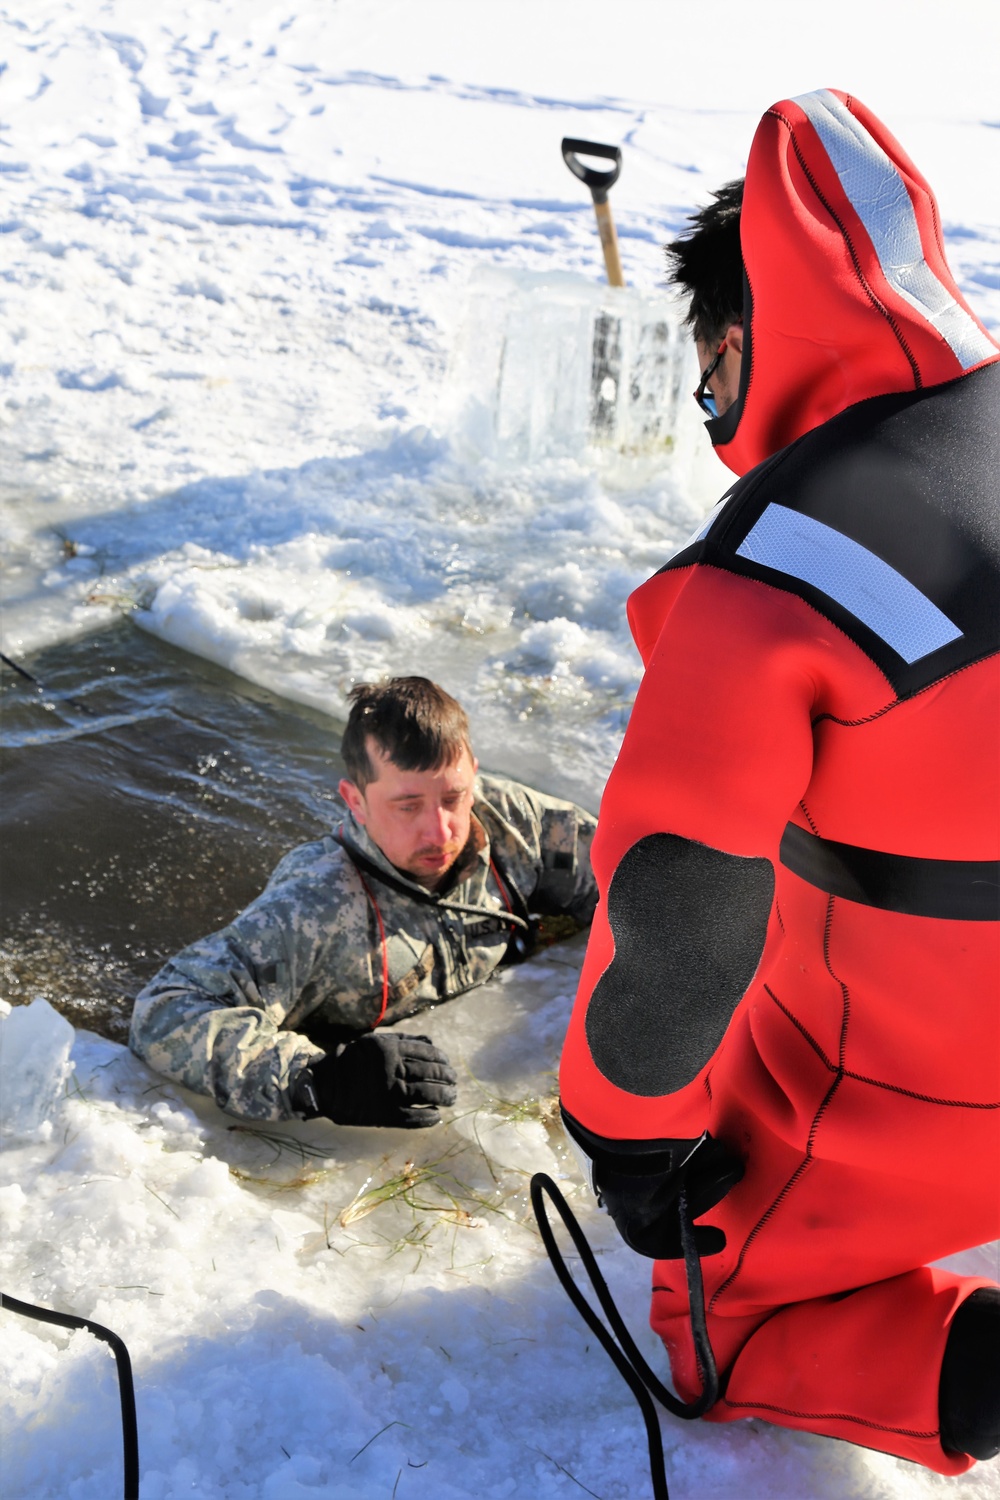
pixel 238 1015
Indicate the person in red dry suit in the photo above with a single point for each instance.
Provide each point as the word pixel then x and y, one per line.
pixel 789 1000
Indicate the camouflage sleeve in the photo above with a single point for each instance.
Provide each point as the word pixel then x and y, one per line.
pixel 559 835
pixel 217 1017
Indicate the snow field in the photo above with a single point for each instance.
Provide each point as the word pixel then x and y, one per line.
pixel 241 243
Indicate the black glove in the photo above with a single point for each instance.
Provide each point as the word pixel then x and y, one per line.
pixel 640 1182
pixel 381 1078
pixel 644 1202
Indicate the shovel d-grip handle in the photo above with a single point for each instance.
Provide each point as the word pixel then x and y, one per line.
pixel 599 182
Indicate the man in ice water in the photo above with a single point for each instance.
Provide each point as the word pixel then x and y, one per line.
pixel 435 877
pixel 789 1004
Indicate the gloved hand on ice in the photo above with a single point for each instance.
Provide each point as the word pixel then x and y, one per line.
pixel 381 1078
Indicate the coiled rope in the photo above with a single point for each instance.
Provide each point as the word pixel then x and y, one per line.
pixel 126 1388
pixel 618 1343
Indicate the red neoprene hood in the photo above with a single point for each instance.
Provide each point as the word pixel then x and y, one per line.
pixel 849 291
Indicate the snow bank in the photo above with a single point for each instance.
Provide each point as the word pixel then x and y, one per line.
pixel 338 1313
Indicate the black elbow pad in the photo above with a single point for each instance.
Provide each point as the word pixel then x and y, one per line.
pixel 689 924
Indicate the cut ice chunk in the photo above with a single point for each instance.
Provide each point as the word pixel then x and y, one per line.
pixel 546 365
pixel 35 1043
pixel 605 376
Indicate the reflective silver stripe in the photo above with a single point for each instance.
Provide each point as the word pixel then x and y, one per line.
pixel 857 579
pixel 702 531
pixel 711 518
pixel 878 196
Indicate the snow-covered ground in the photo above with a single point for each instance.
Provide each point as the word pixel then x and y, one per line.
pixel 256 253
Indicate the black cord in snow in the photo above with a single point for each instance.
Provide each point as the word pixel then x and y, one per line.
pixel 23 672
pixel 126 1388
pixel 631 1365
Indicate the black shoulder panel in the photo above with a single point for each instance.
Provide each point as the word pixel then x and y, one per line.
pixel 689 924
pixel 885 520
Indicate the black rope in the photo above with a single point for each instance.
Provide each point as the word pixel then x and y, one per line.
pixel 704 1353
pixel 21 671
pixel 641 1380
pixel 61 697
pixel 126 1388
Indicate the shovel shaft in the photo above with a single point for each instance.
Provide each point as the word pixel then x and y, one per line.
pixel 609 243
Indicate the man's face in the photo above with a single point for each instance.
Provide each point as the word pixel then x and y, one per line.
pixel 419 819
pixel 725 382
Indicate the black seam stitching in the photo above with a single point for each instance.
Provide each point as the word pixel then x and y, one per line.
pixel 835 1085
pixel 876 301
pixel 911 698
pixel 806 814
pixel 821 1111
pixel 896 1088
pixel 875 1083
pixel 877 713
pixel 826 1061
pixel 834 1416
pixel 773 1207
pixel 845 1017
pixel 938 235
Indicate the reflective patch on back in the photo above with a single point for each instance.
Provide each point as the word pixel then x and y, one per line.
pixel 857 579
pixel 878 195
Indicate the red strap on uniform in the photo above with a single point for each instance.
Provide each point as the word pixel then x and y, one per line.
pixel 385 952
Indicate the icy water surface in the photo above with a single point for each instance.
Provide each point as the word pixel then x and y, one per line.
pixel 145 795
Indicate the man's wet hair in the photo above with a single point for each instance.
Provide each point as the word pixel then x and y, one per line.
pixel 414 722
pixel 706 261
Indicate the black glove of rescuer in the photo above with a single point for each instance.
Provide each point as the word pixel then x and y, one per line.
pixel 382 1078
pixel 640 1182
pixel 645 1204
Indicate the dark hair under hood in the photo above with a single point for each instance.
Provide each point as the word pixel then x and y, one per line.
pixel 848 293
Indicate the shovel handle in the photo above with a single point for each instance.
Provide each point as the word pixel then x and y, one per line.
pixel 609 243
pixel 599 182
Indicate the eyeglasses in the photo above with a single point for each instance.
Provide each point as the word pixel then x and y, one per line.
pixel 703 395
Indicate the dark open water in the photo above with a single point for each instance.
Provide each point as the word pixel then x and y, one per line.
pixel 145 796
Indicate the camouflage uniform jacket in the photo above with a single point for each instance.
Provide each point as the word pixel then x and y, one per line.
pixel 238 1015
